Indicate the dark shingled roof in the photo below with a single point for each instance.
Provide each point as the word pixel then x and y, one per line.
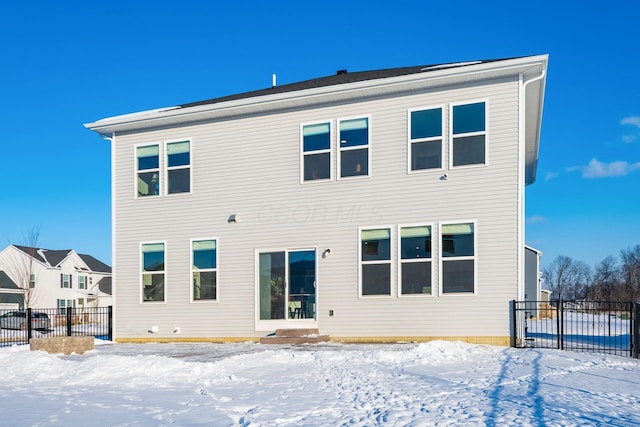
pixel 6 282
pixel 341 77
pixel 94 264
pixel 55 257
pixel 104 285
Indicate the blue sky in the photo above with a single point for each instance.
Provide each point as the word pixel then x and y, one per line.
pixel 67 63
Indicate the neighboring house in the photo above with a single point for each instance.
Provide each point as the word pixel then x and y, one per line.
pixel 533 279
pixel 11 295
pixel 375 206
pixel 58 278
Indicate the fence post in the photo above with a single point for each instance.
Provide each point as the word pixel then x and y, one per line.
pixel 28 320
pixel 110 316
pixel 514 328
pixel 69 319
pixel 635 337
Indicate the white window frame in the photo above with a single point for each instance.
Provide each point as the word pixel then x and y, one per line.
pixel 141 272
pixel 158 170
pixel 194 269
pixel 442 138
pixel 443 259
pixel 340 150
pixel 166 168
pixel 389 261
pixel 323 151
pixel 66 281
pixel 434 285
pixel 461 135
pixel 81 284
pixel 32 281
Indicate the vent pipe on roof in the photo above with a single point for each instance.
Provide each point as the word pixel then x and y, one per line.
pixel 273 80
pixel 340 72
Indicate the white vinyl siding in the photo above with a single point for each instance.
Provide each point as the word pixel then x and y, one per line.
pixel 234 175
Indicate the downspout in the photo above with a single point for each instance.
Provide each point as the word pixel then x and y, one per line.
pixel 521 185
pixel 112 140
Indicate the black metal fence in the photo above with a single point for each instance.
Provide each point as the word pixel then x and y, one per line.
pixel 593 326
pixel 20 326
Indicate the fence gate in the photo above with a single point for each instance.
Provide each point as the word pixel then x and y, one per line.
pixel 594 326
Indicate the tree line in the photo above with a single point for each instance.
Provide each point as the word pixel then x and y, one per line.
pixel 612 279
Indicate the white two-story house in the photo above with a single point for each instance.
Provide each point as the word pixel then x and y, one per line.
pixel 56 278
pixel 375 206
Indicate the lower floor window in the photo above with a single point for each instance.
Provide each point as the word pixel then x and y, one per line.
pixel 152 272
pixel 458 258
pixel 375 256
pixel 204 273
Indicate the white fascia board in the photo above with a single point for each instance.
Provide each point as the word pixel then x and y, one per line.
pixel 308 97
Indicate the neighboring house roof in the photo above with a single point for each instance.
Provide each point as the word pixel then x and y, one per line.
pixel 94 264
pixel 53 258
pixel 104 285
pixel 349 86
pixel 6 282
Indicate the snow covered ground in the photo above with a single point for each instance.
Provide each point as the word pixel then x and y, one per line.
pixel 436 383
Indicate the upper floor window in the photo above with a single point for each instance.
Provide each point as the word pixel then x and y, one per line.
pixel 468 134
pixel 65 280
pixel 316 151
pixel 178 167
pixel 375 261
pixel 82 282
pixel 458 258
pixel 32 281
pixel 415 260
pixel 425 139
pixel 354 147
pixel 152 272
pixel 204 269
pixel 148 167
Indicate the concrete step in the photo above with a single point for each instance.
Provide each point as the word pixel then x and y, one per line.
pixel 299 332
pixel 295 336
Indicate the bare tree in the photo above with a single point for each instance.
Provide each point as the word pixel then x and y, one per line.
pixel 22 268
pixel 566 278
pixel 606 280
pixel 630 272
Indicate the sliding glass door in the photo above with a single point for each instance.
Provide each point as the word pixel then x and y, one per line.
pixel 287 285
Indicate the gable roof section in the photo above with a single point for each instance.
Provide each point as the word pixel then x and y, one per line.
pixel 104 285
pixel 348 87
pixel 6 282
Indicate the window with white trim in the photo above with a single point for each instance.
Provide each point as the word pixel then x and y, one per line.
pixel 425 139
pixel 148 170
pixel 64 304
pixel 32 281
pixel 469 132
pixel 353 147
pixel 178 167
pixel 316 151
pixel 82 282
pixel 65 280
pixel 375 261
pixel 415 260
pixel 204 262
pixel 458 258
pixel 152 271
